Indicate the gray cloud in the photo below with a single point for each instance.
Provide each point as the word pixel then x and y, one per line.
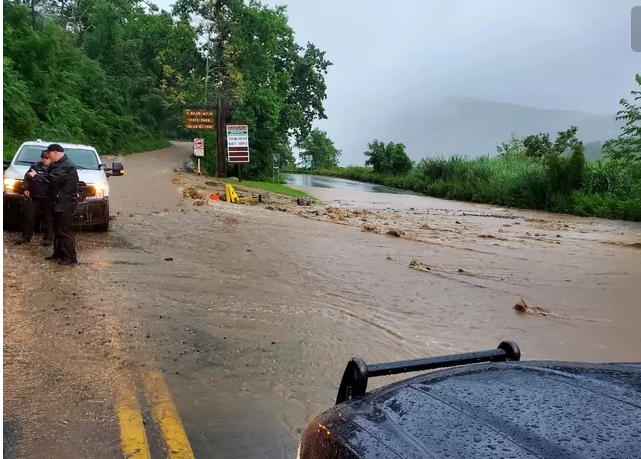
pixel 394 60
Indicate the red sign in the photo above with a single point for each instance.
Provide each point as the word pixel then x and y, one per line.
pixel 199 143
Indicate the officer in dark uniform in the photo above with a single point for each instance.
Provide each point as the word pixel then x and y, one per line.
pixel 36 203
pixel 62 182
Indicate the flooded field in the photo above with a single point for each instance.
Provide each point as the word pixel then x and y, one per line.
pixel 252 312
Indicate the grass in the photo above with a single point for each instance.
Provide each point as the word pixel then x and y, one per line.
pixel 271 187
pixel 609 189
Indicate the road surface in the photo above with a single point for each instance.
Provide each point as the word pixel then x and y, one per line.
pixel 219 331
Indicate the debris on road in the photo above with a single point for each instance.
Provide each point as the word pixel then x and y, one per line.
pixel 369 228
pixel 396 233
pixel 522 307
pixel 335 213
pixel 418 266
pixel 192 193
pixel 302 201
pixel 189 164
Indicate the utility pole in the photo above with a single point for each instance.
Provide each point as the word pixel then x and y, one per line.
pixel 33 14
pixel 220 136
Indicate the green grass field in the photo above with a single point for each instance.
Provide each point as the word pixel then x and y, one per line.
pixel 271 187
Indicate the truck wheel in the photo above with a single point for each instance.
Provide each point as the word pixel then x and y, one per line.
pixel 102 227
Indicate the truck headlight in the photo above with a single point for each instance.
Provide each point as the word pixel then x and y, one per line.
pixel 10 185
pixel 102 190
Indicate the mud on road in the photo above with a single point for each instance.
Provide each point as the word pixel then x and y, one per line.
pixel 250 312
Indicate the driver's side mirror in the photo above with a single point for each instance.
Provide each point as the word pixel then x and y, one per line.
pixel 115 170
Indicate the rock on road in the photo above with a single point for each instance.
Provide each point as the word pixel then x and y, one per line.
pixel 219 331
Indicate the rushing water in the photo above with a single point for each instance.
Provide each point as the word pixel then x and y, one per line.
pixel 319 181
pixel 253 313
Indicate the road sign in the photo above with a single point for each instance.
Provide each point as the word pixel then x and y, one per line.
pixel 199 147
pixel 199 119
pixel 237 143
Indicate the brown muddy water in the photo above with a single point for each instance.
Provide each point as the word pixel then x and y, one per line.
pixel 253 313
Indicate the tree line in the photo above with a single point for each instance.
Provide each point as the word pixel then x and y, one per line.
pixel 117 74
pixel 534 171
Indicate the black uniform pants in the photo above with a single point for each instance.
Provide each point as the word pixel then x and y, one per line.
pixel 31 209
pixel 64 237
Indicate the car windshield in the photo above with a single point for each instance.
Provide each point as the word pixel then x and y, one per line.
pixel 83 158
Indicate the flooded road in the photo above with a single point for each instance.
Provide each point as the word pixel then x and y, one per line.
pixel 251 312
pixel 319 181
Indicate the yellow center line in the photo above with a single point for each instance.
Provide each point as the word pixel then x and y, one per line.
pixel 166 415
pixel 133 439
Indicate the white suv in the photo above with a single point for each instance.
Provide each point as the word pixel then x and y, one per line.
pixel 93 188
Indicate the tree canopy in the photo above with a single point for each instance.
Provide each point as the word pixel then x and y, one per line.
pixel 117 74
pixel 108 73
pixel 628 145
pixel 390 158
pixel 318 145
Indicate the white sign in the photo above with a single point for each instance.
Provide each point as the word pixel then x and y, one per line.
pixel 199 147
pixel 237 143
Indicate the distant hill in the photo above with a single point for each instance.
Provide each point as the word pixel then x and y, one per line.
pixel 593 150
pixel 472 127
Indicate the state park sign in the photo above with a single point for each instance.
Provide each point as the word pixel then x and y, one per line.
pixel 199 119
pixel 237 143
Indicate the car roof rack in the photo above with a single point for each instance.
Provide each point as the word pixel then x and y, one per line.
pixel 357 372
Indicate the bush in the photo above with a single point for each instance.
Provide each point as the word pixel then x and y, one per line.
pixel 605 189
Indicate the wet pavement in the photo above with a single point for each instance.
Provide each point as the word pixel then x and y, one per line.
pixel 234 322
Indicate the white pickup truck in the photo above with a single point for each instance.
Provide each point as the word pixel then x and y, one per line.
pixel 93 188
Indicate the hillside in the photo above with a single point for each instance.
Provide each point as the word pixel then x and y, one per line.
pixel 472 127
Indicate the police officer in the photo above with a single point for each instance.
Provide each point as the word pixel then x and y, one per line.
pixel 62 180
pixel 36 203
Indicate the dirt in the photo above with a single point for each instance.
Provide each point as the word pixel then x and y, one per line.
pixel 395 233
pixel 252 311
pixel 522 307
pixel 418 265
pixel 192 193
pixel 369 228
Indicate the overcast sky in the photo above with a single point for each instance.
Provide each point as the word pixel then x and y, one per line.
pixel 561 54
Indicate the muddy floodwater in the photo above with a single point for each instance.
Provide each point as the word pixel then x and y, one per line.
pixel 252 311
pixel 319 181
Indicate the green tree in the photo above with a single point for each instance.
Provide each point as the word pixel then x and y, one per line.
pixel 538 146
pixel 513 148
pixel 277 86
pixel 112 73
pixel 321 148
pixel 566 173
pixel 628 145
pixel 285 157
pixel 388 159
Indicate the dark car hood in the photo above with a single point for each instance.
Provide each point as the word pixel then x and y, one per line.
pixel 501 410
